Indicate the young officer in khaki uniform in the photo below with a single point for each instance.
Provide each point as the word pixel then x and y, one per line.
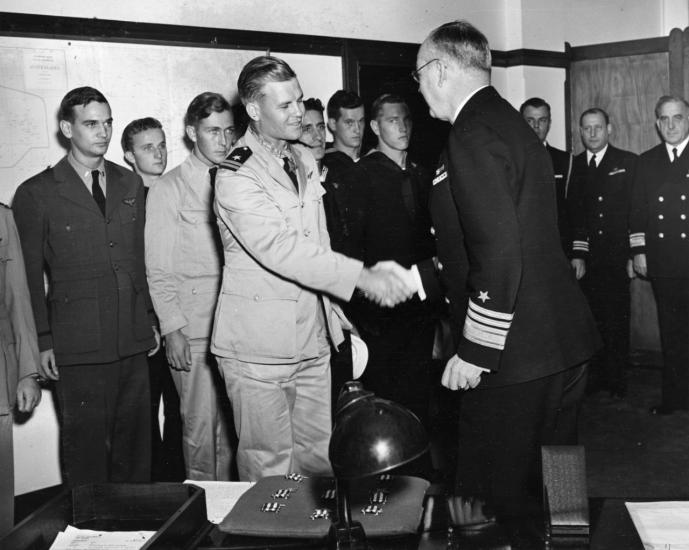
pixel 275 323
pixel 183 265
pixel 18 357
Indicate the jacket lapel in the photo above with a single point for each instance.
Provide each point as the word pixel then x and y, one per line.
pixel 71 187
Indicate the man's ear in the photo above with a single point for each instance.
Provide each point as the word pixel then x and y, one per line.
pixel 252 110
pixel 332 125
pixel 66 128
pixel 129 157
pixel 375 127
pixel 609 129
pixel 191 133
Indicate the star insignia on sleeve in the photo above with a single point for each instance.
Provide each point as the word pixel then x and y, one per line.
pixel 483 296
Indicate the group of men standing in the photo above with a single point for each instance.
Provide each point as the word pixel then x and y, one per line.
pixel 614 209
pixel 307 234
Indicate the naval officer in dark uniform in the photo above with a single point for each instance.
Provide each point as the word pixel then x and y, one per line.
pixel 659 240
pixel 522 325
pixel 599 209
pixel 536 112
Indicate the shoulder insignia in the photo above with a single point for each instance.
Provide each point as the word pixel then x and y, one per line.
pixel 236 158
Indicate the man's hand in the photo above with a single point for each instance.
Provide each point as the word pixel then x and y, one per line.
pixel 640 264
pixel 48 367
pixel 630 269
pixel 177 351
pixel 460 375
pixel 386 283
pixel 579 267
pixel 156 335
pixel 467 512
pixel 28 394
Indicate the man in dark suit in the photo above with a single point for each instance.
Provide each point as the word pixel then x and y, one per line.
pixel 536 112
pixel 82 222
pixel 522 325
pixel 599 205
pixel 659 240
pixel 397 226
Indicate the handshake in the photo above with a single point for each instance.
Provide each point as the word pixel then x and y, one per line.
pixel 387 283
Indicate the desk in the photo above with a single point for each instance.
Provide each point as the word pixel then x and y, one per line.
pixel 612 529
pixel 181 513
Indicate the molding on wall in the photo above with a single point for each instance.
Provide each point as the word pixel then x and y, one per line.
pixel 620 49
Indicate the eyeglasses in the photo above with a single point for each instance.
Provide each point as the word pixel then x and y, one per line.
pixel 415 73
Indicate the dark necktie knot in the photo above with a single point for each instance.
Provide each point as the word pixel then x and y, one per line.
pixel 592 162
pixel 212 172
pixel 674 154
pixel 97 191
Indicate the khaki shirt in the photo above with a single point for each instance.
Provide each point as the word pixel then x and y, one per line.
pixel 183 250
pixel 19 356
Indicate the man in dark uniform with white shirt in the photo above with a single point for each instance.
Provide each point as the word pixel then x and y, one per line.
pixel 659 240
pixel 82 221
pixel 527 328
pixel 599 209
pixel 536 112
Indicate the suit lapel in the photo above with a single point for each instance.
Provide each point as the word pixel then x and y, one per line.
pixel 71 187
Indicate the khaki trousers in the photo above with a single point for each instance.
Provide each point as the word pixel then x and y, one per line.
pixel 282 416
pixel 207 437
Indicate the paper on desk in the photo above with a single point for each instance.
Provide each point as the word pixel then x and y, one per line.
pixel 661 525
pixel 83 539
pixel 221 496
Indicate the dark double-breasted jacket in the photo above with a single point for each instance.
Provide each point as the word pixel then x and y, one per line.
pixel 517 307
pixel 659 218
pixel 97 308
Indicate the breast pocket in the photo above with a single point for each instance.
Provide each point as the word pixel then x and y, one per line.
pixel 75 317
pixel 258 318
pixel 73 238
pixel 200 240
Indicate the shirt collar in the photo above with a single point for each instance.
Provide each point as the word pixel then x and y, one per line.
pixel 680 147
pixel 83 170
pixel 280 153
pixel 466 99
pixel 599 155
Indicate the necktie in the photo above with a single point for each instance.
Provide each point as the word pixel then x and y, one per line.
pixel 592 162
pixel 287 165
pixel 213 171
pixel 674 154
pixel 97 191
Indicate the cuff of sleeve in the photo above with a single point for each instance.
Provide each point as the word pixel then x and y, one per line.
pixel 45 341
pixel 637 241
pixel 417 281
pixel 170 325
